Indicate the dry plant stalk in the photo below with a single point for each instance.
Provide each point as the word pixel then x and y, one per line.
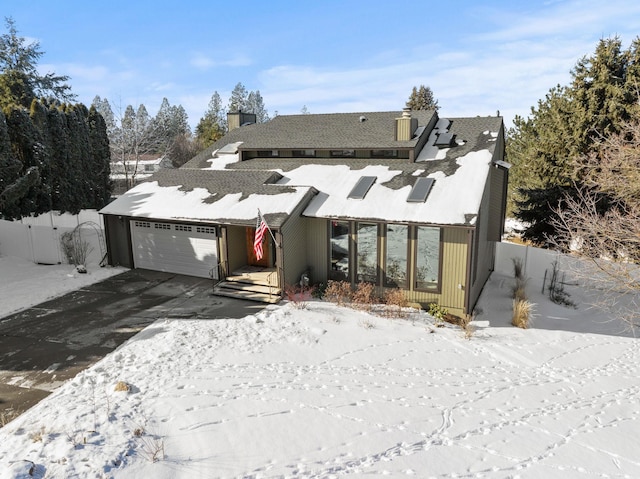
pixel 522 310
pixel 122 386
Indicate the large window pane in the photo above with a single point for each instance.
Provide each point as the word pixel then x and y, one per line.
pixel 396 260
pixel 339 250
pixel 427 257
pixel 367 268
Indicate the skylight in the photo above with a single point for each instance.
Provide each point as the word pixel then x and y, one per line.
pixel 362 186
pixel 444 139
pixel 420 190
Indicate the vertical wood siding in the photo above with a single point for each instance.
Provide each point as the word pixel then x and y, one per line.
pixel 454 273
pixel 294 248
pixel 318 249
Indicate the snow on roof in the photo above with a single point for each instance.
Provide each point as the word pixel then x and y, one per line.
pixel 444 205
pixel 150 200
pixel 220 161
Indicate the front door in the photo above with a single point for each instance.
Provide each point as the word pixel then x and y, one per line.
pixel 266 249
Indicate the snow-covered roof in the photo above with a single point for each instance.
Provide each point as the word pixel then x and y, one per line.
pixel 225 197
pixel 226 190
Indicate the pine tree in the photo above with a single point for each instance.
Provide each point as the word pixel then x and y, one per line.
pixel 255 104
pixel 213 125
pixel 422 99
pixel 546 148
pixel 20 80
pixel 238 100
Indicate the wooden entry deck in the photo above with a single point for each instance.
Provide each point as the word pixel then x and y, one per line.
pixel 254 283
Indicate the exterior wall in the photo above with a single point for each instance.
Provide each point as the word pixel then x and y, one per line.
pixel 236 253
pixel 294 248
pixel 318 249
pixel 453 277
pixel 118 236
pixel 483 248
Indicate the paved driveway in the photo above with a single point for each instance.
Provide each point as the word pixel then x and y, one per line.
pixel 43 346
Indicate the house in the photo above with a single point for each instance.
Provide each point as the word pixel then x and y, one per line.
pixel 401 199
pixel 126 173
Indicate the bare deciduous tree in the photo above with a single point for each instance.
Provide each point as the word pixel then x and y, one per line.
pixel 601 224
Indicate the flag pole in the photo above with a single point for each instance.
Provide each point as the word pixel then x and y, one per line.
pixel 270 232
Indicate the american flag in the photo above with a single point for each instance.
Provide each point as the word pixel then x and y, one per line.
pixel 261 229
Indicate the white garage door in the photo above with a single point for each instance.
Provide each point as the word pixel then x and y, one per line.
pixel 176 248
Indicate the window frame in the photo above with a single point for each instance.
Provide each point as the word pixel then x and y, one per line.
pixel 407 259
pixel 438 287
pixel 356 272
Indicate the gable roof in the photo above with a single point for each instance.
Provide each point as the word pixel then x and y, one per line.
pixel 323 184
pixel 330 131
pixel 224 197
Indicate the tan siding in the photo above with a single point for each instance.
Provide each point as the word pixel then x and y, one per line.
pixel 496 203
pixel 454 267
pixel 317 252
pixel 237 253
pixel 294 248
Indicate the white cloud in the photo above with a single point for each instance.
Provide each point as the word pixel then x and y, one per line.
pixel 202 61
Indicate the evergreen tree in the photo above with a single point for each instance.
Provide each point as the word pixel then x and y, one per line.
pixel 239 99
pixel 64 192
pixel 422 98
pixel 104 108
pixel 26 144
pixel 15 182
pixel 100 159
pixel 213 125
pixel 255 104
pixel 20 81
pixel 79 155
pixel 567 125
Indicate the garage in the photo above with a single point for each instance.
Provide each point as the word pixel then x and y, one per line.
pixel 175 248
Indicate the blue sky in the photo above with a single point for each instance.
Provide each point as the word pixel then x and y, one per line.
pixel 332 56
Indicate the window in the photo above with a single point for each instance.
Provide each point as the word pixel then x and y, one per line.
pixel 384 153
pixel 427 257
pixel 339 242
pixel 205 229
pixel 303 153
pixel 367 261
pixel 182 228
pixel 396 255
pixel 162 226
pixel 342 153
pixel 142 224
pixel 268 153
pixel 149 168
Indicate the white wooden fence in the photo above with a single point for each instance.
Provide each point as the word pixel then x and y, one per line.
pixel 38 238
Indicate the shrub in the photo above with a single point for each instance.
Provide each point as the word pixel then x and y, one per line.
pixel 298 295
pixel 338 292
pixel 364 296
pixel 395 301
pixel 522 310
pixel 438 313
pixel 75 249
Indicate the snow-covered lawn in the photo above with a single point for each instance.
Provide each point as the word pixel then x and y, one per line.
pixel 328 391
